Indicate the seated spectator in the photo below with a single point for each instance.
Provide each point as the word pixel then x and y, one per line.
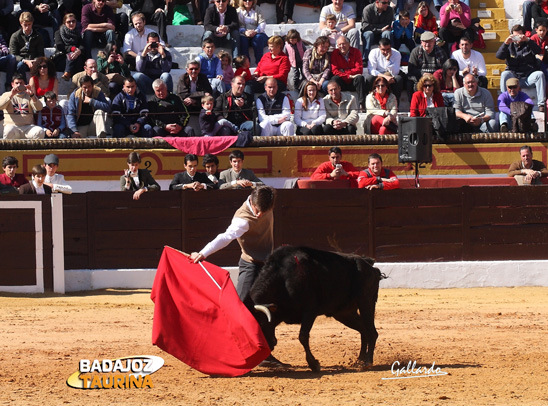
pixel 382 109
pixel 284 11
pixel 211 165
pixel 8 62
pixel 99 79
pixel 110 62
pixel 274 110
pixel 252 29
pixel 129 112
pixel 192 86
pixel 211 66
pixel 341 111
pixel 310 111
pixel 153 63
pixel 19 105
pixel 98 26
pixel 346 20
pixel 167 113
pixel 474 106
pixel 402 34
pixel 237 177
pixel 210 123
pixel 137 180
pixel 9 177
pixel 54 180
pixel 69 47
pixel 427 95
pixel 221 24
pixel 136 39
pixel 385 62
pixel 191 179
pixel 274 64
pixel 121 20
pixel 513 94
pixel 8 21
pixel 26 44
pixel 539 11
pixel 43 12
pixel 521 62
pixel 36 186
pixel 347 68
pixel 237 106
pixel 541 39
pixel 377 177
pixel 376 24
pixel 425 21
pixel 531 169
pixel 294 49
pixel 455 22
pixel 470 61
pixel 335 168
pixel 426 58
pixel 331 31
pixel 153 11
pixel 317 64
pixel 87 111
pixel 52 118
pixel 449 80
pixel 43 77
pixel 241 63
pixel 226 67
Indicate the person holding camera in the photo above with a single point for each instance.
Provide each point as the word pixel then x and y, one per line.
pixel 335 168
pixel 455 22
pixel 137 180
pixel 153 63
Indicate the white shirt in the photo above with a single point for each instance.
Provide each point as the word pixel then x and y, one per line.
pixel 59 184
pixel 135 42
pixel 39 189
pixel 315 114
pixel 273 118
pixel 346 13
pixel 236 229
pixel 476 59
pixel 378 64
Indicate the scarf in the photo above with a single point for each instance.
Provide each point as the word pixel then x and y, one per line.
pixel 315 56
pixel 382 99
pixel 69 37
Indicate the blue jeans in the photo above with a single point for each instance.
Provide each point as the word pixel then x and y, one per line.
pixel 536 79
pixel 8 63
pixel 527 15
pixel 258 42
pixel 232 40
pixel 369 37
pixel 448 98
pixel 144 82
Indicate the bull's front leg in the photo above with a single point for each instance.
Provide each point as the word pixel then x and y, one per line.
pixel 304 338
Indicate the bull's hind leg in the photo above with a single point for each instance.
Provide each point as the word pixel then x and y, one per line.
pixel 356 322
pixel 304 338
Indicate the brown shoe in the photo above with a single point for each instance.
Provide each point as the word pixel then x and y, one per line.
pixel 66 76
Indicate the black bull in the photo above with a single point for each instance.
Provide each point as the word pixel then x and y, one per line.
pixel 298 284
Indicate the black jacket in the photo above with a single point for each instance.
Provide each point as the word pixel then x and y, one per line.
pixel 202 87
pixel 225 106
pixel 212 19
pixel 183 178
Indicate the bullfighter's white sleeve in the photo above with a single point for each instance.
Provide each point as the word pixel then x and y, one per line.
pixel 236 229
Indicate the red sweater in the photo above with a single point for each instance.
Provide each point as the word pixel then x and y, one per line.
pixel 324 170
pixel 18 180
pixel 366 178
pixel 342 68
pixel 418 103
pixel 277 67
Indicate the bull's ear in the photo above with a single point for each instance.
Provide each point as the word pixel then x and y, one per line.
pixel 370 261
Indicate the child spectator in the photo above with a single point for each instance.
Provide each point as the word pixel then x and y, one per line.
pixel 226 66
pixel 242 64
pixel 36 187
pixel 331 31
pixel 52 118
pixel 294 49
pixel 53 179
pixel 541 27
pixel 211 124
pixel 210 65
pixel 9 177
pixel 424 21
pixel 402 35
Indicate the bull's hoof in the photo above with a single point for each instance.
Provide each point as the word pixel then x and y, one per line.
pixel 362 365
pixel 314 365
pixel 272 362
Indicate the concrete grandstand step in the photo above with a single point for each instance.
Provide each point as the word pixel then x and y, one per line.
pixel 482 4
pixel 497 13
pixel 494 24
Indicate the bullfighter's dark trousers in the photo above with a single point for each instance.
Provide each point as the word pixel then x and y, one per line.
pixel 246 277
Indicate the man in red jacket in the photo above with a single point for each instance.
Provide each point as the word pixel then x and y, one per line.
pixel 347 68
pixel 377 177
pixel 335 168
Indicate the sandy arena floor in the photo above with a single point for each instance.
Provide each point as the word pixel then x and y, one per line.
pixel 493 343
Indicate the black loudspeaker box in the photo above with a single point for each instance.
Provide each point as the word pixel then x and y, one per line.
pixel 415 139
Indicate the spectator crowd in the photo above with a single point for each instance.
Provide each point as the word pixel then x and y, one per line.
pixel 128 91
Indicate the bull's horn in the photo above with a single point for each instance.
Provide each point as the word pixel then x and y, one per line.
pixel 264 309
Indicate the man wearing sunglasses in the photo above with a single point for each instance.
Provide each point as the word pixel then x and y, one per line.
pixel 512 94
pixel 376 24
pixel 222 26
pixel 192 86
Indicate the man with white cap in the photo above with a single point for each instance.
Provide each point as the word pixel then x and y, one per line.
pixel 54 180
pixel 427 58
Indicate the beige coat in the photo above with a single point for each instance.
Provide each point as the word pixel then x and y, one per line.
pixel 373 108
pixel 16 109
pixel 346 111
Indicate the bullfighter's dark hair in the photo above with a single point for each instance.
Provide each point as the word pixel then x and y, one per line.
pixel 336 150
pixel 190 158
pixel 210 158
pixel 374 156
pixel 9 160
pixel 236 154
pixel 263 197
pixel 134 158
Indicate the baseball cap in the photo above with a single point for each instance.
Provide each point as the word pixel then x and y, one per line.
pixel 512 82
pixel 51 159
